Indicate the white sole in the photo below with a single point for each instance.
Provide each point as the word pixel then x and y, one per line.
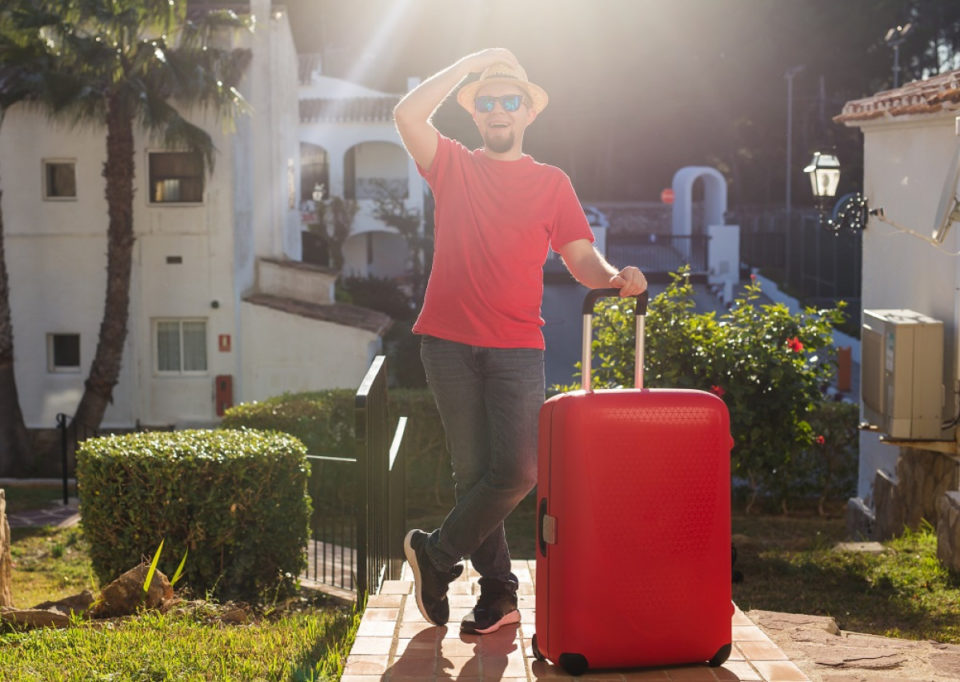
pixel 508 619
pixel 415 567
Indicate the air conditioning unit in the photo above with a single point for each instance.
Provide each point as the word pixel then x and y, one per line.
pixel 901 373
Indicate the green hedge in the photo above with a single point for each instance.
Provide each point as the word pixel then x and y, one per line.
pixel 235 499
pixel 324 421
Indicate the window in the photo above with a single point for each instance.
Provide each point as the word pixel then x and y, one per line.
pixel 176 177
pixel 63 352
pixel 181 346
pixel 59 179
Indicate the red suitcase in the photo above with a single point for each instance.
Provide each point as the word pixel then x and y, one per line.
pixel 633 533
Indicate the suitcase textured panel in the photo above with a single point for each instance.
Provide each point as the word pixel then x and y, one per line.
pixel 633 559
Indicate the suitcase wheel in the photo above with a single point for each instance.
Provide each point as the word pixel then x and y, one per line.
pixel 722 654
pixel 536 652
pixel 575 664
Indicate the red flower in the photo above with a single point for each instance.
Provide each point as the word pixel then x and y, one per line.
pixel 753 277
pixel 794 344
pixel 820 440
pixel 718 390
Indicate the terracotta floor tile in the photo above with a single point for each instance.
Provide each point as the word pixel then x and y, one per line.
pixel 762 651
pixel 417 628
pixel 652 674
pixel 740 670
pixel 376 628
pixel 700 673
pixel 455 666
pixel 385 600
pixel 459 647
pixel 372 645
pixel 365 665
pixel 748 633
pixel 396 587
pixel 416 648
pixel 413 667
pixel 362 678
pixel 467 601
pixel 740 618
pixel 381 614
pixel 780 671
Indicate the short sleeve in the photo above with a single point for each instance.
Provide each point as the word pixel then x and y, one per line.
pixel 442 160
pixel 570 222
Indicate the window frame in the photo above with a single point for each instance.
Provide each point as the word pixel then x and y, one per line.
pixel 150 182
pixel 155 327
pixel 45 184
pixel 52 367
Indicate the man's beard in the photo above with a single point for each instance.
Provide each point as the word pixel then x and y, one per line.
pixel 499 145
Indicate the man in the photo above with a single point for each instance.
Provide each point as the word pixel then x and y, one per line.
pixel 497 213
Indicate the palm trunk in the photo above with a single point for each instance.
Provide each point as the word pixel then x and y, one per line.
pixel 118 172
pixel 14 439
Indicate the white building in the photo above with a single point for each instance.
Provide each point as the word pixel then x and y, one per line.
pixel 911 149
pixel 220 302
pixel 350 146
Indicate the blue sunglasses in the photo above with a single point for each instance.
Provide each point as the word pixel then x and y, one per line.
pixel 485 103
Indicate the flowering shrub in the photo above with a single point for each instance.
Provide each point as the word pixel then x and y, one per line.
pixel 768 365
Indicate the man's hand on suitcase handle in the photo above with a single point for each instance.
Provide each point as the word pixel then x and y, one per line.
pixel 630 281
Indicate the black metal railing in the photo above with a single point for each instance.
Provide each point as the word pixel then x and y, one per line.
pixel 380 472
pixel 72 433
pixel 359 503
pixel 812 264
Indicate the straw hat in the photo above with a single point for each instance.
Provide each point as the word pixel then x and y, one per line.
pixel 501 72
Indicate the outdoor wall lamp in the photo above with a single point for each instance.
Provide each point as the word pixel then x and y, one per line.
pixel 851 211
pixel 317 192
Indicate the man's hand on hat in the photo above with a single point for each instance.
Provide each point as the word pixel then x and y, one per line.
pixel 478 61
pixel 630 281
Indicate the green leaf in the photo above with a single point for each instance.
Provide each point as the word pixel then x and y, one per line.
pixel 153 568
pixel 179 572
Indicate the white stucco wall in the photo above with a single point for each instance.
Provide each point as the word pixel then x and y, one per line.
pixel 905 162
pixel 316 355
pixel 56 250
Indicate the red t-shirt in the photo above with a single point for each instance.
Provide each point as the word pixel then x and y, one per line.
pixel 493 224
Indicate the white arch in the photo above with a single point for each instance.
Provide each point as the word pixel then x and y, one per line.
pixel 714 198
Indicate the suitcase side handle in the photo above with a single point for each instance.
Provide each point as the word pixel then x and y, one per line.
pixel 640 313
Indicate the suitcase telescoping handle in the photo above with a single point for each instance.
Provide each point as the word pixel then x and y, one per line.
pixel 640 314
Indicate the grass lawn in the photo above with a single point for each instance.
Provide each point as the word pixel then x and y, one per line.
pixel 304 639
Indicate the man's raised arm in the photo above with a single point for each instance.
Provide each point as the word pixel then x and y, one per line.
pixel 412 115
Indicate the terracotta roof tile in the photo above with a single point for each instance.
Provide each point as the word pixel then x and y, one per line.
pixel 353 109
pixel 918 97
pixel 338 313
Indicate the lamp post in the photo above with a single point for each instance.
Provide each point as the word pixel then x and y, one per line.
pixel 789 75
pixel 894 38
pixel 851 211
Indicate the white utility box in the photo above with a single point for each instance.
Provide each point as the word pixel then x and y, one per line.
pixel 901 373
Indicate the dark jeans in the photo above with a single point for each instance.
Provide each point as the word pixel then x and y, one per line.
pixel 489 400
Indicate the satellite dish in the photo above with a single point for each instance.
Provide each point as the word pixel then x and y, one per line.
pixel 948 211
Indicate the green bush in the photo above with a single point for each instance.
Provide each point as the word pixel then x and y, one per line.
pixel 236 500
pixel 830 463
pixel 324 421
pixel 769 366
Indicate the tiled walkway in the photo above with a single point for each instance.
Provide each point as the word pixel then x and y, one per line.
pixel 57 516
pixel 395 643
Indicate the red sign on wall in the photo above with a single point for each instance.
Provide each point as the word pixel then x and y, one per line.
pixel 666 196
pixel 224 343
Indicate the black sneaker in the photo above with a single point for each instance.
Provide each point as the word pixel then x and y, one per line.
pixel 431 584
pixel 496 607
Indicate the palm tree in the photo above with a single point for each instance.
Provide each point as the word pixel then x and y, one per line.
pixel 120 64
